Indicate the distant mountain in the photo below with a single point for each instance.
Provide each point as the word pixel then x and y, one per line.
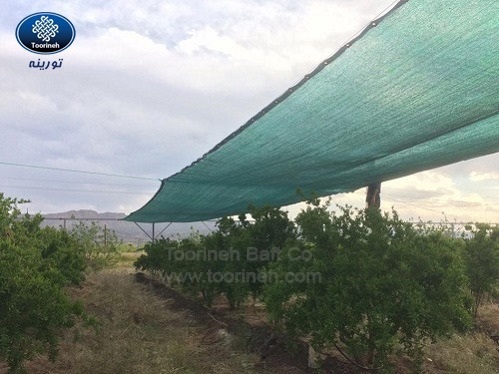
pixel 86 214
pixel 128 232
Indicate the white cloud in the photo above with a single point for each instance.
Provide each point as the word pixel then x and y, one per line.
pixel 476 176
pixel 436 195
pixel 148 88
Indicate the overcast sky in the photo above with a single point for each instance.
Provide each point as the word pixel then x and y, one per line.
pixel 149 86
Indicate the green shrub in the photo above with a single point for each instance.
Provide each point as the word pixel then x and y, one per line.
pixel 226 262
pixel 99 246
pixel 481 256
pixel 35 266
pixel 362 281
pixel 384 287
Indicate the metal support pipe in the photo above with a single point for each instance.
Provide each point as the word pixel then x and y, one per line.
pixel 162 231
pixel 144 231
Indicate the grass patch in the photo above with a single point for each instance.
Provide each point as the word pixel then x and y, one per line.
pixel 464 354
pixel 488 318
pixel 125 259
pixel 137 333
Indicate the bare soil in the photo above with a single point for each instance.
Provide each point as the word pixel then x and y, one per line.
pixel 275 350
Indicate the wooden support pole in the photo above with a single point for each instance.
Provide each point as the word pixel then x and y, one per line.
pixel 373 199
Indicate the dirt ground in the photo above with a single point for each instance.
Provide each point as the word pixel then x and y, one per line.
pixel 254 335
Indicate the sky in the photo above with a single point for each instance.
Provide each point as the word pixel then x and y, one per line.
pixel 149 86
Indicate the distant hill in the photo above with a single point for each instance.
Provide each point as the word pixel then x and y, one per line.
pixel 128 232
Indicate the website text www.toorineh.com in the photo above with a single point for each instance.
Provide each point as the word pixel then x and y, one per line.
pixel 242 277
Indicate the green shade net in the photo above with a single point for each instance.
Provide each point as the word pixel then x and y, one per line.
pixel 417 89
